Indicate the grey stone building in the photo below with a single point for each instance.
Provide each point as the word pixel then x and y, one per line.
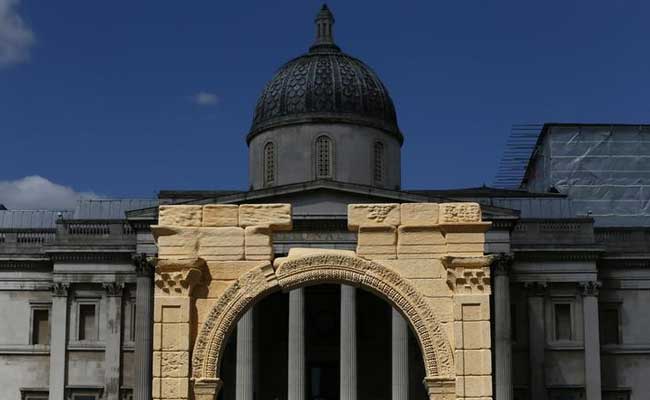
pixel 570 294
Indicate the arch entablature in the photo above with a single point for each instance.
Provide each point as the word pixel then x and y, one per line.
pixel 295 272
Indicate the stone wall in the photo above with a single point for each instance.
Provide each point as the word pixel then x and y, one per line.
pixel 216 261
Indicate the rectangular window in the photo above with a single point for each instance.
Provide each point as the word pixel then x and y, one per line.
pixel 41 326
pixel 87 322
pixel 609 323
pixel 563 324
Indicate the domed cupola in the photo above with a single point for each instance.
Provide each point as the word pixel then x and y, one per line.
pixel 325 85
pixel 324 115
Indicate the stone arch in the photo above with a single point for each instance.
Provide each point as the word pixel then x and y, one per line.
pixel 291 273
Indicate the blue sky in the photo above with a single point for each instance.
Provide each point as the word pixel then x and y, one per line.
pixel 102 96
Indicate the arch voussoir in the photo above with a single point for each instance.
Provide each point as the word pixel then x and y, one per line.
pixel 295 272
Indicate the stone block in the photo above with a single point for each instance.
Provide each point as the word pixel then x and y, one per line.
pixel 174 388
pixel 453 213
pixel 171 309
pixel 156 361
pixel 420 235
pixel 180 215
pixel 155 388
pixel 425 214
pixel 377 252
pixel 175 337
pixel 217 287
pixel 175 364
pixel 478 386
pixel 472 335
pixel 423 268
pixel 432 287
pixel 203 308
pixel 465 237
pixel 472 308
pixel 466 248
pixel 228 270
pixel 442 307
pixel 373 214
pixel 473 362
pixel 384 235
pixel 276 216
pixel 221 243
pixel 258 243
pixel 220 215
pixel 177 242
pixel 157 336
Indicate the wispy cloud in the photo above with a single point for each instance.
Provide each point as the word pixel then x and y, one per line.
pixel 16 38
pixel 38 193
pixel 205 99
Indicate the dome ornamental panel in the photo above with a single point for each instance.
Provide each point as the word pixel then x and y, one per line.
pixel 325 85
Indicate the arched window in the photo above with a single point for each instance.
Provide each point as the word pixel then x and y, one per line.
pixel 269 163
pixel 379 162
pixel 324 157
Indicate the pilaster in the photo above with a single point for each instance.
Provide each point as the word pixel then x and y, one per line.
pixel 59 340
pixel 592 339
pixel 536 338
pixel 113 338
pixel 144 269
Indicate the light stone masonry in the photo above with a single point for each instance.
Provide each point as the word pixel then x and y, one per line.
pixel 426 259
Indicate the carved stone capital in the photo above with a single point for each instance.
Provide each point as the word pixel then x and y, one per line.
pixel 590 288
pixel 207 389
pixel 468 275
pixel 502 265
pixel 178 277
pixel 113 289
pixel 440 388
pixel 536 289
pixel 60 289
pixel 144 265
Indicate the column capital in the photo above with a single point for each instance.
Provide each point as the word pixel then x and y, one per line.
pixel 536 289
pixel 113 289
pixel 590 288
pixel 440 387
pixel 178 277
pixel 207 389
pixel 144 265
pixel 60 289
pixel 503 264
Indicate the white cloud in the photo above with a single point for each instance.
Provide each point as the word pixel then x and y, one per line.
pixel 37 193
pixel 205 98
pixel 15 36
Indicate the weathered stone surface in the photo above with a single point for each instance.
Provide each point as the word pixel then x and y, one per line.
pixel 452 213
pixel 473 362
pixel 220 215
pixel 155 388
pixel 172 309
pixel 217 244
pixel 258 243
pixel 423 214
pixel 373 214
pixel 175 337
pixel 229 270
pixel 176 242
pixel 276 216
pixel 432 287
pixel 377 235
pixel 174 388
pixel 377 252
pixel 157 363
pixel 420 235
pixel 424 268
pixel 472 308
pixel 472 335
pixel 442 307
pixel 175 364
pixel 180 215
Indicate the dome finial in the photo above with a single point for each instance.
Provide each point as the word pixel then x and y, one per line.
pixel 324 31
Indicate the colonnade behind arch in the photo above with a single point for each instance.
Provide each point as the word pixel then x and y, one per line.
pixel 425 259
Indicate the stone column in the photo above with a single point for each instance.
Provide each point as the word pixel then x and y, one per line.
pixel 502 329
pixel 143 328
pixel 296 389
pixel 113 340
pixel 592 340
pixel 536 339
pixel 58 340
pixel 400 358
pixel 244 364
pixel 348 343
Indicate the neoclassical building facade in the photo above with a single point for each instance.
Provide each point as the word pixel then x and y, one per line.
pixel 328 280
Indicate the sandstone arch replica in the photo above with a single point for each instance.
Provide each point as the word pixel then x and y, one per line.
pixel 425 259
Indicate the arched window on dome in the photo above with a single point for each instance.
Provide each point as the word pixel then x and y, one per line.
pixel 379 162
pixel 324 159
pixel 269 163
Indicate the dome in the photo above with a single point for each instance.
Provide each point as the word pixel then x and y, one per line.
pixel 325 85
